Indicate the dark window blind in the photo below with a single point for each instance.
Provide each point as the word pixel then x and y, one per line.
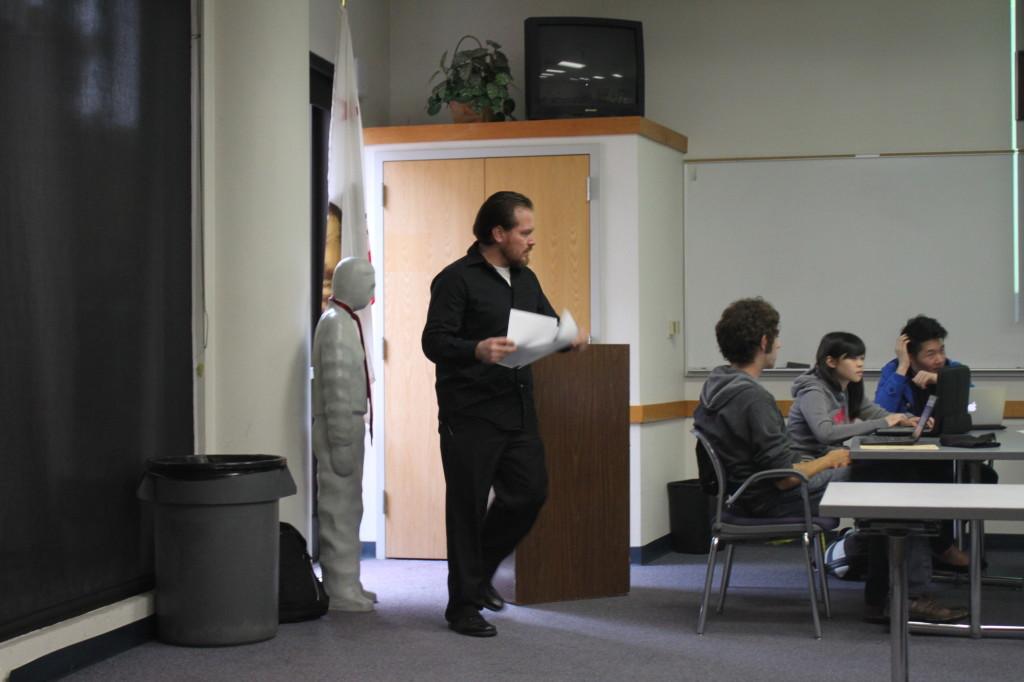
pixel 95 299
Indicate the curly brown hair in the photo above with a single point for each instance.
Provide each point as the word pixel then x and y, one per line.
pixel 741 327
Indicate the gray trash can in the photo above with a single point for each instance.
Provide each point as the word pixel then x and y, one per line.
pixel 216 535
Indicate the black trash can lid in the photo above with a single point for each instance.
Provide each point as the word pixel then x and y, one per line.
pixel 194 467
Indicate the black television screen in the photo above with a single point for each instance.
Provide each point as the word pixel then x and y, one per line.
pixel 578 67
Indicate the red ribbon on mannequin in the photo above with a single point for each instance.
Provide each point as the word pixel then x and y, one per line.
pixel 362 342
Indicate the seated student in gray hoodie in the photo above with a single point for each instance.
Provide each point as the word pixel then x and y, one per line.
pixel 743 423
pixel 829 405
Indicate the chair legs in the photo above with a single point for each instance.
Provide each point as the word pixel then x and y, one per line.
pixel 708 575
pixel 813 583
pixel 819 557
pixel 726 574
pixel 811 589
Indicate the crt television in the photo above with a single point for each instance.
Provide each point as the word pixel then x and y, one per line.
pixel 578 67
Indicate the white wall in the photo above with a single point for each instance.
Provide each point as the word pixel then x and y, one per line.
pixel 256 156
pixel 370 29
pixel 756 78
pixel 661 359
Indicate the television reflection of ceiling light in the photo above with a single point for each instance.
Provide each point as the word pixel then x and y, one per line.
pixel 571 65
pixel 599 78
pixel 555 70
pixel 616 75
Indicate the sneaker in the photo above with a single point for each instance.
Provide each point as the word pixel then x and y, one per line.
pixel 930 611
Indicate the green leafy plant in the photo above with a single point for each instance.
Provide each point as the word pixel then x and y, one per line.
pixel 478 77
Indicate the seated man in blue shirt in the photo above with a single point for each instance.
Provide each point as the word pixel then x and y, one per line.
pixel 905 384
pixel 909 378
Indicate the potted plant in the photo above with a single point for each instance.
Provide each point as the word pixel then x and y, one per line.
pixel 474 85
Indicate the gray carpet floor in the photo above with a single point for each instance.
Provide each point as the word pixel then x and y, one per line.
pixel 764 634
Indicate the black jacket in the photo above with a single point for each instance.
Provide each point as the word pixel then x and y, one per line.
pixel 469 302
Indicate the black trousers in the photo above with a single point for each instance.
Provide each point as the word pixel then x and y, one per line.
pixel 477 455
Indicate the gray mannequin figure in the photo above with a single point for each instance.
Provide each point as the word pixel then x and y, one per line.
pixel 340 402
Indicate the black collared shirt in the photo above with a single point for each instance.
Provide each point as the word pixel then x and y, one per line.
pixel 469 302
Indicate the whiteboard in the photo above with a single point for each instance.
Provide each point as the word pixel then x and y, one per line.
pixel 857 245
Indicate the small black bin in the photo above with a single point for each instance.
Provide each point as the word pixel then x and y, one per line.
pixel 216 536
pixel 689 512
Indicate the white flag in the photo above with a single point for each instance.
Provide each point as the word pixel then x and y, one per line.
pixel 345 186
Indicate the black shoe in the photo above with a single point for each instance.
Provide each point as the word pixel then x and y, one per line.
pixel 473 625
pixel 490 599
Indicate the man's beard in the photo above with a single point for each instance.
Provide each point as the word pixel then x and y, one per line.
pixel 523 259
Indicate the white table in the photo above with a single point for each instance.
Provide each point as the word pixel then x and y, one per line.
pixel 1011 446
pixel 904 506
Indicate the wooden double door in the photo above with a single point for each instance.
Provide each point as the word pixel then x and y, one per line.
pixel 429 208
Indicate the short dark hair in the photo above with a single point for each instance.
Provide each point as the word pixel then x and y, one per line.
pixel 498 210
pixel 921 329
pixel 741 327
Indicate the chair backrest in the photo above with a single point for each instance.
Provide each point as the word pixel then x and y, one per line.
pixel 710 465
pixel 711 472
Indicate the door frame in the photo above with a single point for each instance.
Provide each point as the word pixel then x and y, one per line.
pixel 374 159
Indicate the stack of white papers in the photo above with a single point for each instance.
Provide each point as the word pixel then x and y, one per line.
pixel 537 336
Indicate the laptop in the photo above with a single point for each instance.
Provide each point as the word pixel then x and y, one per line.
pixel 986 407
pixel 929 407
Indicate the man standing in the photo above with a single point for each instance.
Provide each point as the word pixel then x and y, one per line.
pixel 486 415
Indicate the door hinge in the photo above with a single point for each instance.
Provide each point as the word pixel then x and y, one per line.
pixel 588 188
pixel 383 195
pixel 384 502
pixel 384 349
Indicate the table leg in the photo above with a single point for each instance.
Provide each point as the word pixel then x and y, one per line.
pixel 974 575
pixel 898 607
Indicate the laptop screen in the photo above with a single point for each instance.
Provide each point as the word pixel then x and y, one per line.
pixel 925 414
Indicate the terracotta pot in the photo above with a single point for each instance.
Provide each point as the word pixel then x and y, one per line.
pixel 463 113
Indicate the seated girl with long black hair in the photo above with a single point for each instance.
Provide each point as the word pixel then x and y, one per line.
pixel 829 403
pixel 829 407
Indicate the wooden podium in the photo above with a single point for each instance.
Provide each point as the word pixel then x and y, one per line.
pixel 579 547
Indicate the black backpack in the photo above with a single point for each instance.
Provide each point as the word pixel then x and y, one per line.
pixel 301 595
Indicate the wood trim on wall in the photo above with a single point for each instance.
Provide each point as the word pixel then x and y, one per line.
pixel 683 409
pixel 816 157
pixel 561 127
